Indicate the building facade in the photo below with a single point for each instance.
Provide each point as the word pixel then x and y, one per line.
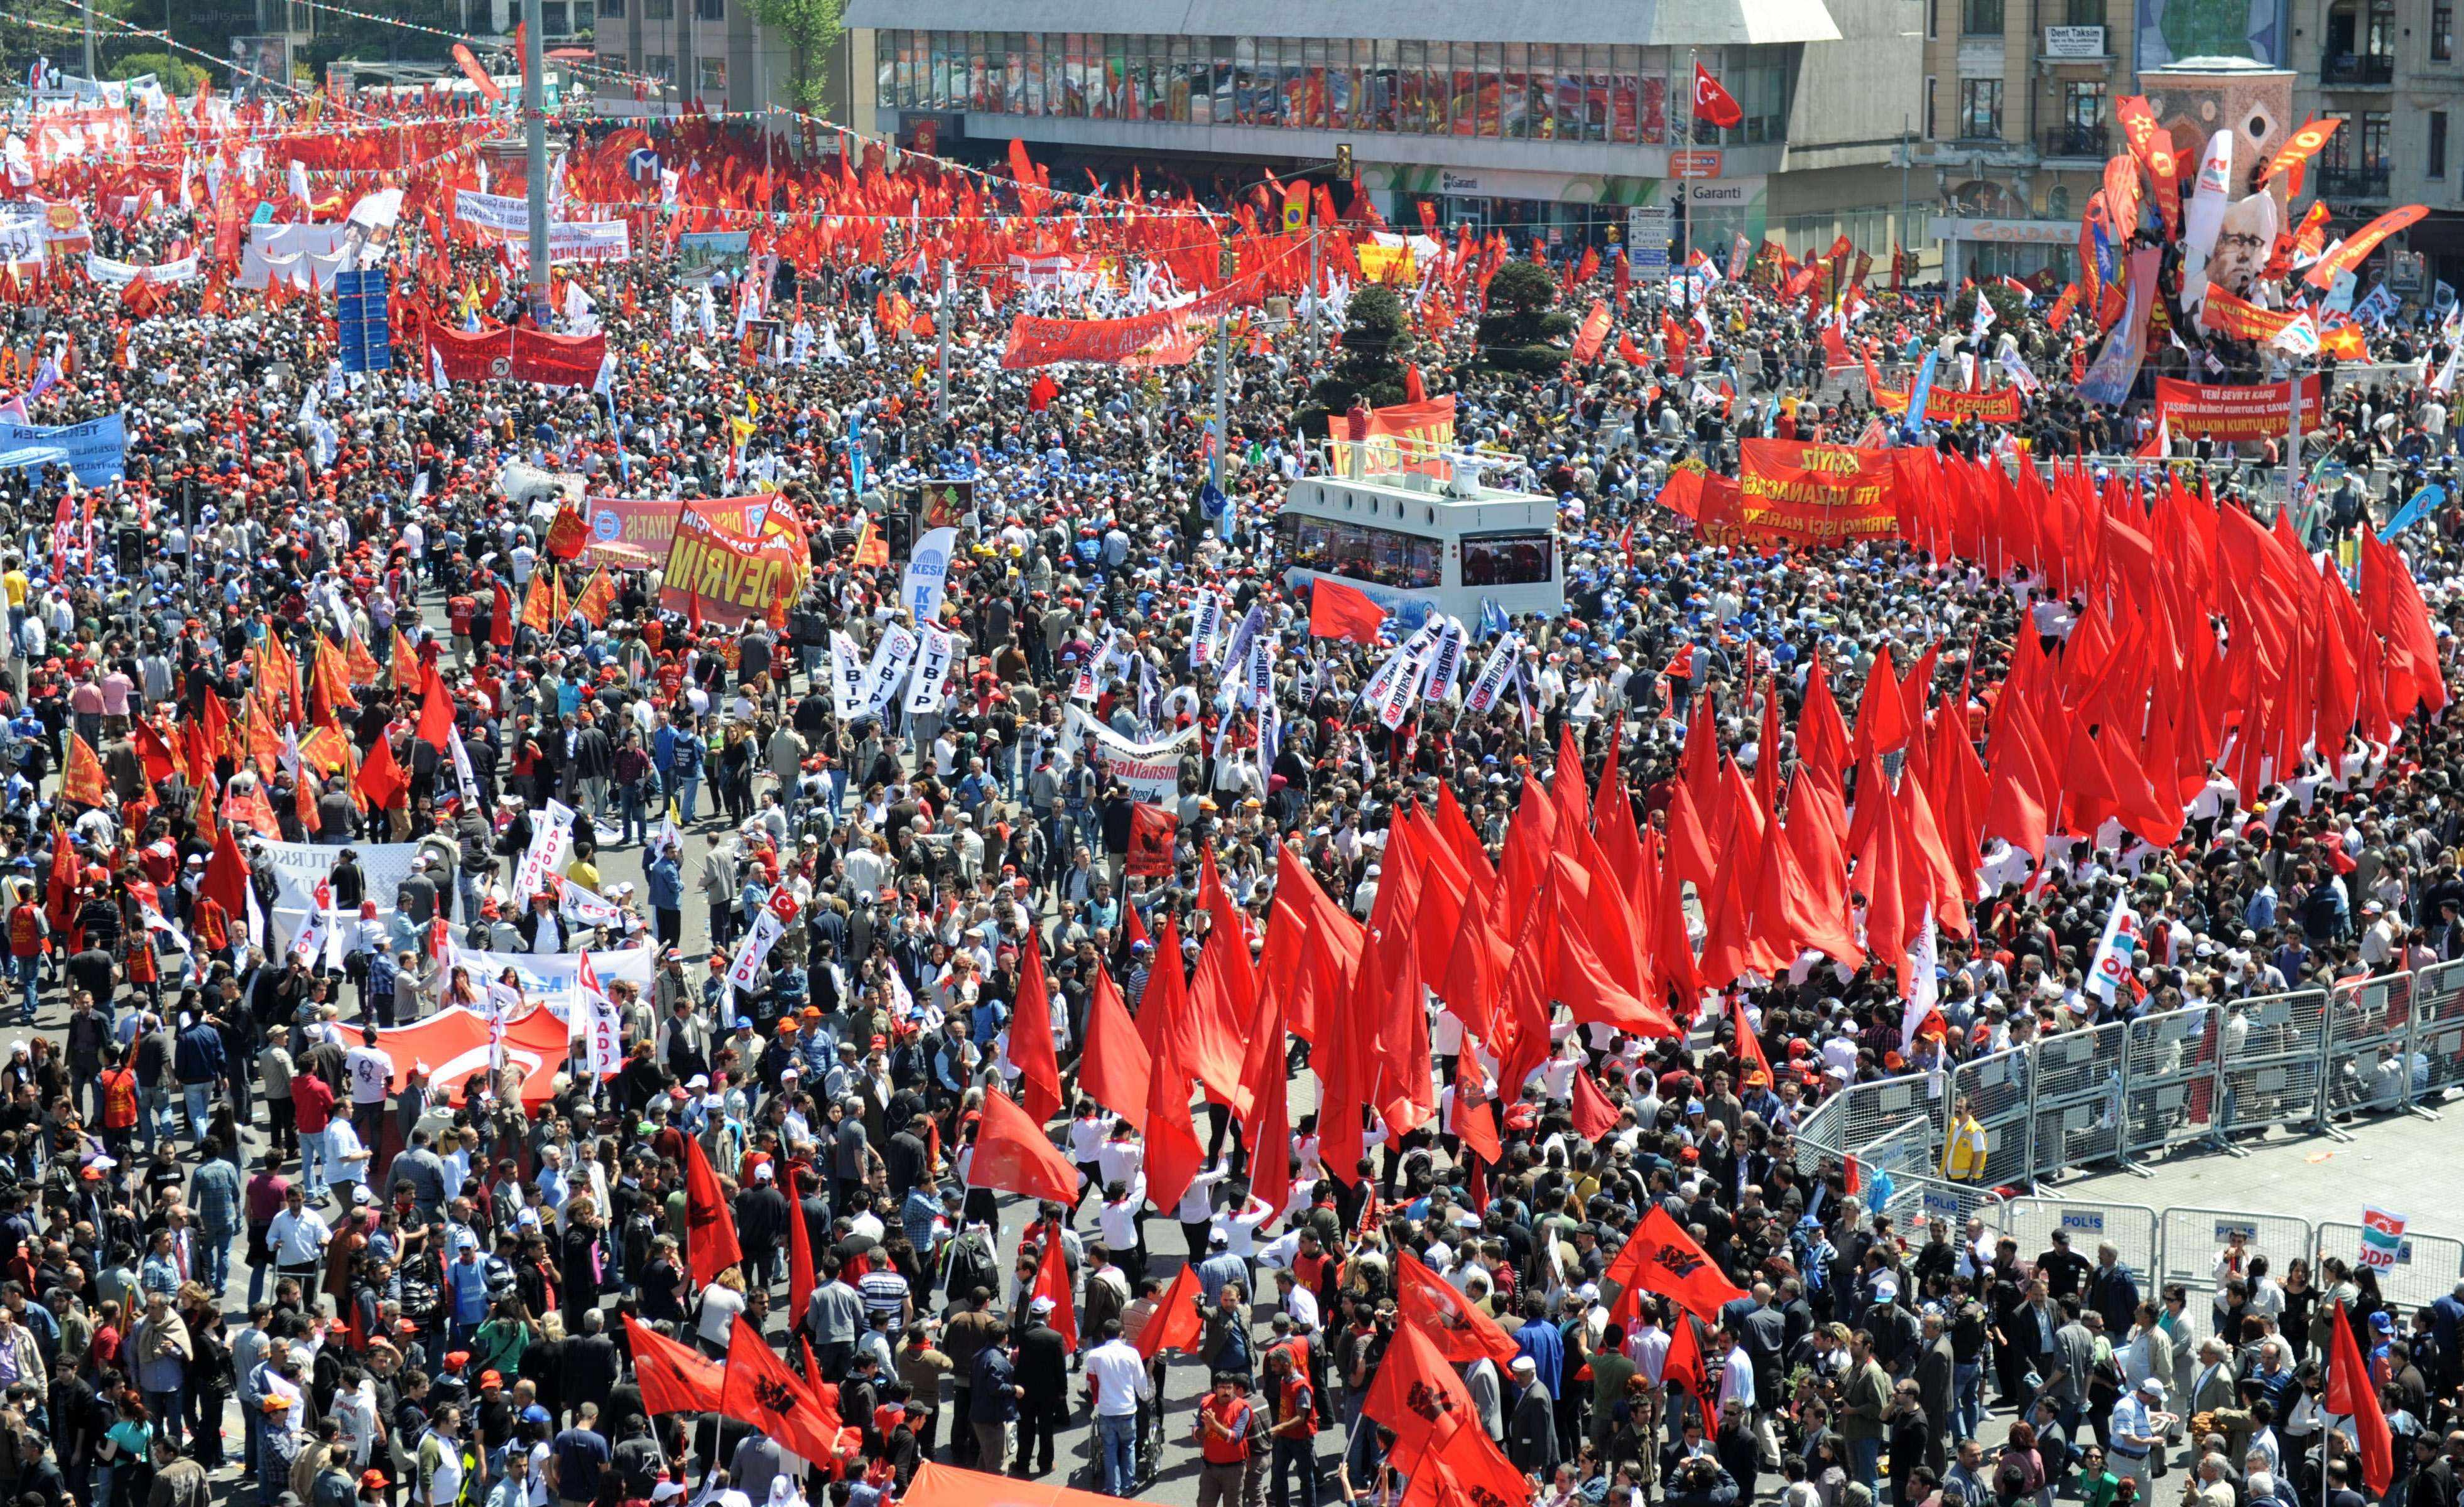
pixel 1552 122
pixel 718 56
pixel 2391 70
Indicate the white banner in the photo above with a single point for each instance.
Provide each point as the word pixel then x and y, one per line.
pixel 1449 664
pixel 604 1039
pixel 1149 771
pixel 502 213
pixel 383 865
pixel 554 979
pixel 928 573
pixel 309 941
pixel 1205 620
pixel 847 676
pixel 120 274
pixel 464 781
pixel 932 670
pixel 1494 673
pixel 891 658
pixel 551 844
pixel 584 908
pixel 578 241
pixel 767 928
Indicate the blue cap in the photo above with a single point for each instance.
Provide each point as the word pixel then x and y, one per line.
pixel 745 1023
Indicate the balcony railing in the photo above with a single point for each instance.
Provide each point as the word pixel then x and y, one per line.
pixel 2353 183
pixel 2347 69
pixel 2075 140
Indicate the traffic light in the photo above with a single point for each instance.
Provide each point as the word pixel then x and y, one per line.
pixel 1616 234
pixel 1227 261
pixel 1344 170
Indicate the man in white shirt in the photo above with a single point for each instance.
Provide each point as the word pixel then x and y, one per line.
pixel 297 1237
pixel 1117 1376
pixel 370 1070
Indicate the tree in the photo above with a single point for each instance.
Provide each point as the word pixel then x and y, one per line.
pixel 2009 310
pixel 813 27
pixel 1376 343
pixel 1519 333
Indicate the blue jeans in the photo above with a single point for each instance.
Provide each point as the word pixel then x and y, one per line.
pixel 198 1100
pixel 688 792
pixel 165 1407
pixel 153 1117
pixel 1296 1457
pixel 1117 1451
pixel 29 971
pixel 316 1161
pixel 1864 1459
pixel 636 814
pixel 1968 1400
pixel 213 1258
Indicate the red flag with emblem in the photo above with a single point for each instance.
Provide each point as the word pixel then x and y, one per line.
pixel 1662 1258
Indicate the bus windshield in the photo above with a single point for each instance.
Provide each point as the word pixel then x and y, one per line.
pixel 1507 559
pixel 1357 552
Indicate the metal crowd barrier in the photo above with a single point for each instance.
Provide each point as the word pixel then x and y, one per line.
pixel 2426 1266
pixel 2130 1228
pixel 2436 1049
pixel 1999 1091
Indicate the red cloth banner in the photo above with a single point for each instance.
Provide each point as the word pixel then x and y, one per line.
pixel 508 354
pixel 1152 833
pixel 1949 404
pixel 478 76
pixel 2256 411
pixel 730 575
pixel 1594 333
pixel 1402 438
pixel 1794 492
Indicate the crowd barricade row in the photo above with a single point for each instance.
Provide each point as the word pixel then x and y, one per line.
pixel 2133 1230
pixel 2436 1032
pixel 2426 1266
pixel 1999 1090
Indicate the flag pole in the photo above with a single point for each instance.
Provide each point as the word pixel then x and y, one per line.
pixel 1685 160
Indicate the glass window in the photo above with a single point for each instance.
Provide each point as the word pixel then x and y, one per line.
pixel 1383 85
pixel 1490 101
pixel 713 75
pixel 1314 94
pixel 1408 78
pixel 1507 559
pixel 1515 120
pixel 1031 101
pixel 1244 80
pixel 2382 32
pixel 1014 72
pixel 2437 143
pixel 661 66
pixel 612 8
pixel 1980 17
pixel 1539 86
pixel 1980 109
pixel 1595 92
pixel 1568 85
pixel 2377 127
pixel 1291 109
pixel 1056 73
pixel 1358 551
pixel 1073 75
pixel 1438 89
pixel 1625 94
pixel 1467 88
pixel 2442 33
pixel 936 79
pixel 976 73
pixel 1219 80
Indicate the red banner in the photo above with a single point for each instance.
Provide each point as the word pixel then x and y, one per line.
pixel 1594 333
pixel 1799 493
pixel 2257 411
pixel 478 76
pixel 1035 341
pixel 726 572
pixel 510 354
pixel 1374 447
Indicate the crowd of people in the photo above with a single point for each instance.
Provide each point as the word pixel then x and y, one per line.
pixel 447 1269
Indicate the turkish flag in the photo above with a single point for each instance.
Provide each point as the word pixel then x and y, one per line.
pixel 675 1377
pixel 1593 1115
pixel 1014 1154
pixel 1176 1325
pixel 2349 1393
pixel 1713 103
pixel 1030 1041
pixel 761 1391
pixel 709 1227
pixel 1430 1303
pixel 1661 1257
pixel 1337 611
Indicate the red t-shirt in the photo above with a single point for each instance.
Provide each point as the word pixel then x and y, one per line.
pixel 312 1101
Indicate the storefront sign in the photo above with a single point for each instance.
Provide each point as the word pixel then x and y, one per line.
pixel 2075 43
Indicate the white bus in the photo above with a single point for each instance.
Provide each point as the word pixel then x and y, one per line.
pixel 1424 537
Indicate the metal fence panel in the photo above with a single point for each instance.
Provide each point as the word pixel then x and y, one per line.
pixel 2171 1075
pixel 2425 1269
pixel 2077 1104
pixel 2194 1238
pixel 2131 1228
pixel 1864 1113
pixel 2437 1046
pixel 1907 1153
pixel 2370 1022
pixel 2273 1052
pixel 1996 1089
pixel 1932 1198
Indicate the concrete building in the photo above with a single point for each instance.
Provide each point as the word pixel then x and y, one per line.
pixel 1549 121
pixel 2392 72
pixel 719 54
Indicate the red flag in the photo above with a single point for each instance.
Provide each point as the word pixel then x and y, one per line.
pixel 1176 1325
pixel 1684 1369
pixel 1014 1154
pixel 226 878
pixel 1661 1257
pixel 1053 1281
pixel 1756 1067
pixel 800 1245
pixel 1430 1303
pixel 2349 1393
pixel 478 76
pixel 1593 1115
pixel 1337 611
pixel 1030 1041
pixel 1113 1069
pixel 761 1391
pixel 435 714
pixel 1713 103
pixel 1418 1394
pixel 709 1227
pixel 673 1377
pixel 161 763
pixel 83 781
pixel 1174 1155
pixel 381 778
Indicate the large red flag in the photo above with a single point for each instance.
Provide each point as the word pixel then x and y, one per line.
pixel 1337 611
pixel 2349 1393
pixel 1661 1257
pixel 1176 1325
pixel 761 1391
pixel 1113 1070
pixel 1014 1154
pixel 1174 1155
pixel 381 778
pixel 799 1249
pixel 1030 1040
pixel 1430 1303
pixel 226 873
pixel 1418 1394
pixel 675 1377
pixel 710 1225
pixel 435 714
